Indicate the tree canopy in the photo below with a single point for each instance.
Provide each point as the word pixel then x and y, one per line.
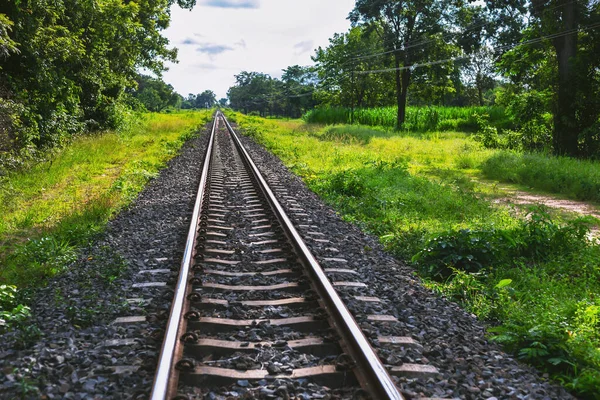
pixel 66 65
pixel 260 93
pixel 538 58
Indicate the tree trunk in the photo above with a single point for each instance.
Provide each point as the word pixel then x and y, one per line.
pixel 566 130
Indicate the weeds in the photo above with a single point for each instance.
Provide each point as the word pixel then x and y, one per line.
pixel 535 239
pixel 535 280
pixel 418 119
pixel 51 209
pixel 11 312
pixel 579 179
pixel 54 208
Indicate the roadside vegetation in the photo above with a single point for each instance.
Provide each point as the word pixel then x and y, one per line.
pixel 532 274
pixel 418 119
pixel 51 209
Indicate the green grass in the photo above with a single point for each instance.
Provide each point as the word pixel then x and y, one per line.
pixel 418 119
pixel 536 280
pixel 579 179
pixel 53 207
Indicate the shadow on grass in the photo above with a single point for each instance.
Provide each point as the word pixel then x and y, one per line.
pixel 352 134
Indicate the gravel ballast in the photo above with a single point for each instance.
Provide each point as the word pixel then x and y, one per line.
pixel 84 354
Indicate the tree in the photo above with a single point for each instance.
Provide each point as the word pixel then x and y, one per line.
pixel 69 64
pixel 206 99
pixel 7 45
pixel 564 27
pixel 479 67
pixel 298 87
pixel 478 72
pixel 253 91
pixel 340 67
pixel 402 25
pixel 155 94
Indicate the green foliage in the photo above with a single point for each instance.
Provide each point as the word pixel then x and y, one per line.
pixel 536 239
pixel 44 258
pixel 566 68
pixel 579 179
pixel 206 99
pixel 259 94
pixel 7 45
pixel 134 179
pixel 346 183
pixel 531 128
pixel 465 250
pixel 154 94
pixel 418 119
pixel 52 209
pixel 12 313
pixel 534 279
pixel 337 67
pixel 66 69
pixel 399 23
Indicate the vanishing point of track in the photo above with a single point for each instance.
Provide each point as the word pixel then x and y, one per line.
pixel 245 267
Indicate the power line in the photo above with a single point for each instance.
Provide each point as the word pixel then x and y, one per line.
pixel 499 48
pixel 411 45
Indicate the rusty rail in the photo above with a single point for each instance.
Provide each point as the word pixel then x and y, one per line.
pixel 371 373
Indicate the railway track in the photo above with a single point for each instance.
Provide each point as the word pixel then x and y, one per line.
pixel 252 304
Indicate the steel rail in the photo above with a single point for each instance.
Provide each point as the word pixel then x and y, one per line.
pixel 372 375
pixel 163 383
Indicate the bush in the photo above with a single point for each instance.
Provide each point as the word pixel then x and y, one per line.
pixel 44 257
pixel 346 183
pixel 532 124
pixel 536 239
pixel 12 313
pixel 466 250
pixel 18 131
pixel 589 141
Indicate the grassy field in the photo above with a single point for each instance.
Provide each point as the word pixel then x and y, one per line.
pixel 536 280
pixel 418 119
pixel 51 209
pixel 578 179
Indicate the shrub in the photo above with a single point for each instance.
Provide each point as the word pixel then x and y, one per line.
pixel 44 257
pixel 537 238
pixel 12 313
pixel 532 124
pixel 346 183
pixel 465 250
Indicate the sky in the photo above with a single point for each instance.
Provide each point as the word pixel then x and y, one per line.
pixel 220 38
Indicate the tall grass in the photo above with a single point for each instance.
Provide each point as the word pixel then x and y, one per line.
pixel 536 280
pixel 53 207
pixel 421 119
pixel 579 179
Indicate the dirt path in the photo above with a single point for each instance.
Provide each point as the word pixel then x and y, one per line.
pixel 523 198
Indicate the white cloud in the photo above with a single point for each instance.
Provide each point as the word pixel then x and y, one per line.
pixel 230 3
pixel 304 46
pixel 213 67
pixel 188 41
pixel 267 39
pixel 213 49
